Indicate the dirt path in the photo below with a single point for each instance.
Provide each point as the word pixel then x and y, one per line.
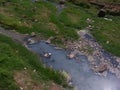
pixel 14 35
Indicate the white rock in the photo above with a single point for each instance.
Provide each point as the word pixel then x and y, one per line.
pixel 31 41
pixel 71 56
pixel 25 68
pixel 21 88
pixel 34 70
pixel 33 34
pixel 107 42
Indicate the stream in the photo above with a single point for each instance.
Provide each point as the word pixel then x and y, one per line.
pixel 83 78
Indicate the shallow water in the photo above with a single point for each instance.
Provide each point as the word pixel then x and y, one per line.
pixel 83 77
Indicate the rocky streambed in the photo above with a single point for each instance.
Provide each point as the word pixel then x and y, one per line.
pixel 98 70
pixel 93 69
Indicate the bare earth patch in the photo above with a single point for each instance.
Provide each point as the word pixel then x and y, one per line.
pixel 24 81
pixel 55 87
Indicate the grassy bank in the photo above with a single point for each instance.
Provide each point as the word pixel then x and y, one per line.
pixel 108 34
pixel 42 17
pixel 16 60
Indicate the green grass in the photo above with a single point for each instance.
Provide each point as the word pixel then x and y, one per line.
pixel 74 17
pixel 14 57
pixel 42 17
pixel 108 31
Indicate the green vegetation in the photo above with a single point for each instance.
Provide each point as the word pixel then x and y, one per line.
pixel 43 18
pixel 74 17
pixel 108 31
pixel 15 58
pixel 40 17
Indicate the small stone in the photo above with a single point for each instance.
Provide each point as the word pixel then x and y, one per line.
pixel 34 70
pixel 31 41
pixel 48 55
pixel 33 34
pixel 21 88
pixel 70 56
pixel 107 42
pixel 25 68
pixel 70 83
pixel 101 68
pixel 48 41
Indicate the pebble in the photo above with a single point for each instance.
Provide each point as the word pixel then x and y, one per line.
pixel 21 88
pixel 34 70
pixel 70 56
pixel 25 68
pixel 97 54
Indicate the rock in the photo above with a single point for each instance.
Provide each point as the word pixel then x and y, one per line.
pixel 89 21
pixel 101 68
pixel 31 41
pixel 90 27
pixel 107 42
pixel 25 68
pixel 104 73
pixel 90 58
pixel 47 55
pixel 70 83
pixel 33 34
pixel 48 41
pixel 34 70
pixel 108 19
pixel 71 55
pixel 21 88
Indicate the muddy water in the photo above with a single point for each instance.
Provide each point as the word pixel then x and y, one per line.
pixel 83 77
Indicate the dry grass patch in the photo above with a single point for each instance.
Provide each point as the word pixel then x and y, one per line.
pixel 73 18
pixel 25 82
